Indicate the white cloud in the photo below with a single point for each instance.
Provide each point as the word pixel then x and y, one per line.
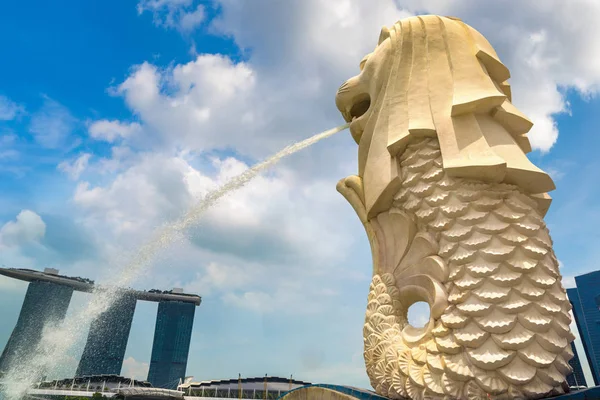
pixel 135 369
pixel 246 223
pixel 256 301
pixel 284 293
pixel 110 131
pixel 568 281
pixel 547 45
pixel 52 125
pixel 182 15
pixel 216 276
pixel 75 168
pixel 139 198
pixel 9 109
pixel 192 105
pixel 27 227
pixel 189 21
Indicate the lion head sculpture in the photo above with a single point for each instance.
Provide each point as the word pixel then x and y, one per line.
pixel 436 76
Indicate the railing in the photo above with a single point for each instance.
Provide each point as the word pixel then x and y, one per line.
pixel 234 394
pixel 67 392
pixel 77 388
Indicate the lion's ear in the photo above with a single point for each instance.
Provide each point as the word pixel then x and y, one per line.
pixel 385 33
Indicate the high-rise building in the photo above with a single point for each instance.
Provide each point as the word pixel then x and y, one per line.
pixel 587 317
pixel 107 339
pixel 45 303
pixel 576 378
pixel 170 349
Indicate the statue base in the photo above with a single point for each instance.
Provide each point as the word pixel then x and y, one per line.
pixel 337 392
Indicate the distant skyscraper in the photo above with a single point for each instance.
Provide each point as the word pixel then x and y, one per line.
pixel 45 303
pixel 107 339
pixel 576 378
pixel 171 345
pixel 587 317
pixel 47 300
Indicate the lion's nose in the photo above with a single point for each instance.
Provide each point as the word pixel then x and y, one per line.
pixel 345 96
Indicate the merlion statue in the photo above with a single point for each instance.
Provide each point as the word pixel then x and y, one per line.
pixel 454 213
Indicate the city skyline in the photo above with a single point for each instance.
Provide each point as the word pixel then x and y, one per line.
pixel 115 117
pixel 47 300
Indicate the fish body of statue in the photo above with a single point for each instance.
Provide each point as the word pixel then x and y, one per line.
pixel 454 213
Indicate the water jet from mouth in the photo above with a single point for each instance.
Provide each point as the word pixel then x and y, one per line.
pixel 58 339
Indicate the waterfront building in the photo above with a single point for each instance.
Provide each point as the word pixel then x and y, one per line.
pixel 45 303
pixel 576 379
pixel 266 387
pixel 587 318
pixel 107 339
pixel 170 349
pixel 93 383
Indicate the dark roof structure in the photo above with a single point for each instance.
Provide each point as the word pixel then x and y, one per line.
pixel 87 285
pixel 269 379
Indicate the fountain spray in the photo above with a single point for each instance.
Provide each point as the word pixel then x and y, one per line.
pixel 57 339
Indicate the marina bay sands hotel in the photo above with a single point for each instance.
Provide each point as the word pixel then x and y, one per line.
pixel 47 300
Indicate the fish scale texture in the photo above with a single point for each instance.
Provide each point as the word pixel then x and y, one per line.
pixel 505 333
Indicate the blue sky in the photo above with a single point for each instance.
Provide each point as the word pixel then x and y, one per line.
pixel 116 115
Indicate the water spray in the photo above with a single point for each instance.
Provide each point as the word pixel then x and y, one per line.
pixel 57 339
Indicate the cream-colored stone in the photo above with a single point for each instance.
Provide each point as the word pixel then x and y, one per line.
pixel 453 210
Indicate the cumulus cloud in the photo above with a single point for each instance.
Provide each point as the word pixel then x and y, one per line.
pixel 110 131
pixel 199 105
pixel 135 369
pixel 31 240
pixel 183 15
pixel 569 281
pixel 138 198
pixel 9 109
pixel 27 227
pixel 219 277
pixel 76 167
pixel 257 222
pixel 255 301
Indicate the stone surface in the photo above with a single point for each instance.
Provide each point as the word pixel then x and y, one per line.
pixel 453 210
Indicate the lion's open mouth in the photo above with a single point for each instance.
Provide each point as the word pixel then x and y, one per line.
pixel 357 114
pixel 353 101
pixel 360 105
